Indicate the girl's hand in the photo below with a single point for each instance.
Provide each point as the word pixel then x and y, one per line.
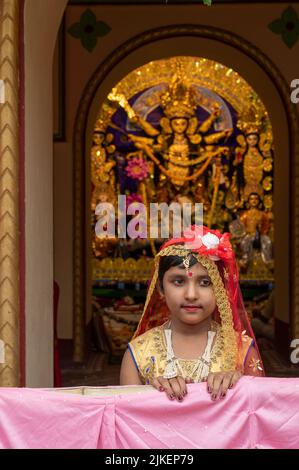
pixel 174 388
pixel 219 382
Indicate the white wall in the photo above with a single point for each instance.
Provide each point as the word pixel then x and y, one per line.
pixel 41 23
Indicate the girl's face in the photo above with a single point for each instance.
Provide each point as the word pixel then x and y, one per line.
pixel 190 299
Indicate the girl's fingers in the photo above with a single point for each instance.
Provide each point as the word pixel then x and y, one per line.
pixel 210 382
pixel 156 383
pixel 183 386
pixel 237 375
pixel 164 383
pixel 216 385
pixel 188 380
pixel 227 379
pixel 176 387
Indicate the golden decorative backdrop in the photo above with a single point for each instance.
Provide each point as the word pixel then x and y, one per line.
pixel 179 87
pixel 206 73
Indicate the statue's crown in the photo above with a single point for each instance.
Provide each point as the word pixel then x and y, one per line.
pixel 251 121
pixel 179 98
pixel 100 126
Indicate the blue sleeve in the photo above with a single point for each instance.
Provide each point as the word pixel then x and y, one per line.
pixel 251 344
pixel 133 357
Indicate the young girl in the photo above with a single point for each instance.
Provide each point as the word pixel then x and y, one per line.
pixel 194 325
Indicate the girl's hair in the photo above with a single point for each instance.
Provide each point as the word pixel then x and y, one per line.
pixel 167 262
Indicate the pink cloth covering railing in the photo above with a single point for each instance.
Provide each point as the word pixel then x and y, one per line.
pixel 257 413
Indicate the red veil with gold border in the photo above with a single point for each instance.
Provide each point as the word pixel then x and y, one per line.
pixel 214 251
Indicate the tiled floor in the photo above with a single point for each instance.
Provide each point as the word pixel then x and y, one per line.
pixel 97 370
pixel 275 365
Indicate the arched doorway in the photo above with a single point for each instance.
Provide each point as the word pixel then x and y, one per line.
pixel 224 128
pixel 263 76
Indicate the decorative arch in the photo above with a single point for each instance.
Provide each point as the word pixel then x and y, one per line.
pixel 257 69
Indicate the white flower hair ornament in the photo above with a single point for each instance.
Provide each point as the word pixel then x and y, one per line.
pixel 208 242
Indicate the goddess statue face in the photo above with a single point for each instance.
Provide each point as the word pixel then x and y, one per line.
pixel 103 197
pixel 252 140
pixel 253 200
pixel 179 125
pixel 98 138
pixel 109 138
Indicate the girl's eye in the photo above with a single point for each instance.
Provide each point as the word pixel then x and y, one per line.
pixel 206 282
pixel 178 282
pixel 203 282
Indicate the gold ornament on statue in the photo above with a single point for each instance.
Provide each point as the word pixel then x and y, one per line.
pixel 267 183
pixel 268 202
pixel 102 194
pixel 254 146
pixel 103 179
pixel 268 164
pixel 102 151
pixel 179 99
pixel 253 119
pixel 257 223
pixel 180 129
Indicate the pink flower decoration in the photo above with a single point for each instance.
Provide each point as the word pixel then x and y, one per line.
pixel 194 235
pixel 137 169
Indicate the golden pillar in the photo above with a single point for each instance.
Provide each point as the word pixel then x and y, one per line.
pixel 9 184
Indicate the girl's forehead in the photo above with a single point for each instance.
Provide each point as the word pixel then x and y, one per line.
pixel 197 269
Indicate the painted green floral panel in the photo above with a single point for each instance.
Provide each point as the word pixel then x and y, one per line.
pixel 88 30
pixel 287 26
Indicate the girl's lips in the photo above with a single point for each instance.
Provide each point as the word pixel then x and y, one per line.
pixel 191 308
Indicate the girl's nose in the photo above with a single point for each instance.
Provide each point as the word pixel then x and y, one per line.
pixel 191 291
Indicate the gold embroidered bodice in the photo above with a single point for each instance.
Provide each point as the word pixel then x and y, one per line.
pixel 150 354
